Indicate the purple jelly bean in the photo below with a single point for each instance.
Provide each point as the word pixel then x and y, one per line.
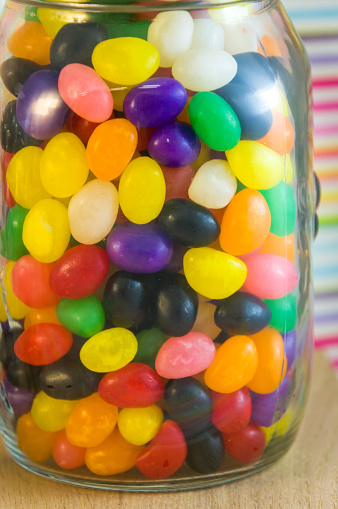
pixel 41 111
pixel 139 248
pixel 290 346
pixel 174 144
pixel 269 408
pixel 20 399
pixel 154 102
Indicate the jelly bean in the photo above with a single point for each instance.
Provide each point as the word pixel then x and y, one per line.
pixel 143 136
pixel 283 312
pixel 111 147
pixel 207 34
pixel 67 379
pixel 176 262
pixel 247 94
pixel 30 282
pixel 214 185
pixel 81 127
pixel 8 197
pixel 120 28
pixel 75 43
pixel 142 190
pixel 234 365
pixel 85 92
pixel 53 20
pixel 204 156
pixel 185 356
pixel 214 121
pixel 19 399
pixel 239 37
pixel 231 412
pixel 13 137
pixel 177 181
pixel 135 385
pixel 272 362
pixel 125 300
pixel 33 441
pixel 165 454
pixel 281 136
pixel 109 350
pixel 139 425
pixel 45 315
pixel 15 71
pixel 242 313
pixel 269 408
pixel 282 205
pixel 84 317
pixel 79 272
pixel 43 343
pixel 92 211
pixel 149 344
pixel 113 456
pixel 139 248
pixel 175 305
pixel 23 375
pixel 214 274
pixel 65 454
pixel 247 445
pixel 15 307
pixel 171 33
pixel 204 322
pixel 290 340
pixel 125 60
pixel 46 231
pixel 51 414
pixel 206 451
pixel 30 41
pixel 91 421
pixel 281 246
pixel 270 276
pixel 3 315
pixel 154 102
pixel 188 223
pixel 203 70
pixel 174 144
pixel 12 246
pixel 23 177
pixel 8 336
pixel 40 109
pixel 255 165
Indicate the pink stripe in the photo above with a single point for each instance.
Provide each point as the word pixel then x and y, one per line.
pixel 326 106
pixel 335 363
pixel 328 82
pixel 326 130
pixel 324 343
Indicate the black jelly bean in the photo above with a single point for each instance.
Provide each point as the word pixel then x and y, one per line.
pixel 13 137
pixel 206 451
pixel 7 340
pixel 23 375
pixel 14 72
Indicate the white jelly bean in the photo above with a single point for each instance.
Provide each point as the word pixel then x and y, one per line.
pixel 239 38
pixel 203 70
pixel 214 184
pixel 171 33
pixel 208 34
pixel 92 211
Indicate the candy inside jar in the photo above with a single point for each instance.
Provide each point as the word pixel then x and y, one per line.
pixel 156 315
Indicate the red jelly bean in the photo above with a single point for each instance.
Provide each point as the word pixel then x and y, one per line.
pixel 43 344
pixel 232 411
pixel 30 283
pixel 79 271
pixel 177 181
pixel 247 445
pixel 65 454
pixel 81 127
pixel 165 454
pixel 134 386
pixel 143 138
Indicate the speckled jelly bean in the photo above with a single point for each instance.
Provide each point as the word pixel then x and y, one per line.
pixel 32 42
pixel 231 412
pixel 51 414
pixel 139 425
pixel 12 246
pixel 33 441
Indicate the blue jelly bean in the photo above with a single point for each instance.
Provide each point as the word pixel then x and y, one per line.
pixel 269 408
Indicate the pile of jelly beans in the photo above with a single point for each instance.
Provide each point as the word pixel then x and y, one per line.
pixel 149 246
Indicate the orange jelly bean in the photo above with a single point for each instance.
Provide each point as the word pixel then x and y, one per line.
pixel 281 246
pixel 111 147
pixel 246 223
pixel 281 136
pixel 31 41
pixel 272 363
pixel 33 441
pixel 45 315
pixel 113 456
pixel 234 365
pixel 91 421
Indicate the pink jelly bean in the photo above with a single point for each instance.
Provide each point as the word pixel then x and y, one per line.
pixel 270 276
pixel 85 92
pixel 185 356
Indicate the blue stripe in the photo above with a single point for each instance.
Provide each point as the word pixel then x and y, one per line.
pixel 315 14
pixel 328 270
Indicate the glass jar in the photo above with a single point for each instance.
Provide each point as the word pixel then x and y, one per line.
pixel 157 219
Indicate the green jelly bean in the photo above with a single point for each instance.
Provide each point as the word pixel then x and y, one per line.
pixel 283 312
pixel 12 246
pixel 149 343
pixel 134 29
pixel 214 121
pixel 240 186
pixel 282 205
pixel 84 317
pixel 31 14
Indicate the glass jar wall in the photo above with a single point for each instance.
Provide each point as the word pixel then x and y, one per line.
pixel 156 228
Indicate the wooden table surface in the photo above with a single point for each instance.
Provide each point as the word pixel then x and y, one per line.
pixel 307 477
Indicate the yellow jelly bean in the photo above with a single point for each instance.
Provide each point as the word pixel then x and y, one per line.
pixel 204 157
pixel 109 350
pixel 119 92
pixel 269 432
pixel 142 190
pixel 51 414
pixel 16 308
pixel 255 165
pixel 139 425
pixel 288 175
pixel 46 231
pixel 285 422
pixel 45 315
pixel 54 19
pixel 125 60
pixel 212 273
pixel 33 441
pixel 63 166
pixel 23 177
pixel 3 314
